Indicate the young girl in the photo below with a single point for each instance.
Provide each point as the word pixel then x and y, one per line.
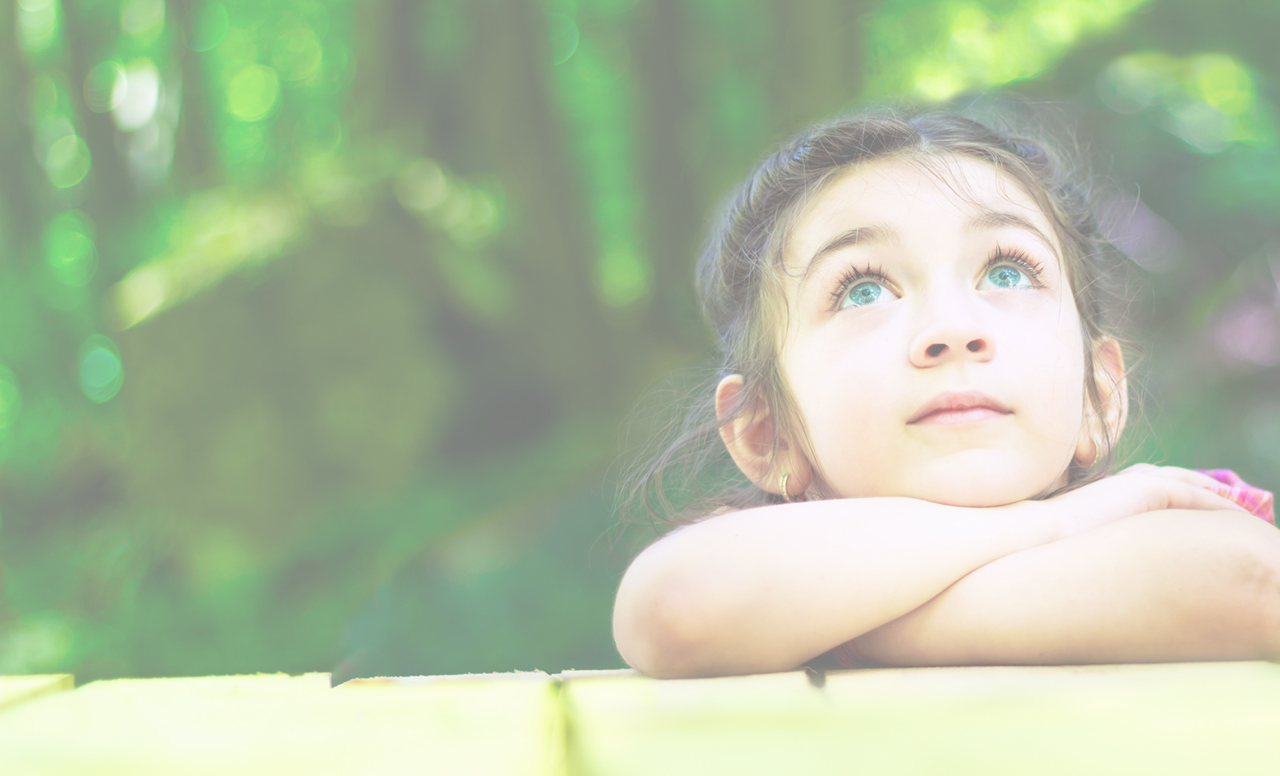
pixel 923 386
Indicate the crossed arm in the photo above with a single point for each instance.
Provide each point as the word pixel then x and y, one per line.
pixel 1091 578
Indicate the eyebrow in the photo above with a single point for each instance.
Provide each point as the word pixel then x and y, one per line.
pixel 994 219
pixel 987 218
pixel 862 235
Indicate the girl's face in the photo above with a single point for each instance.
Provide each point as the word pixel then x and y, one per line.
pixel 934 349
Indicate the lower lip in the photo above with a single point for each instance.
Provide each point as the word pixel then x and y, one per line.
pixel 960 417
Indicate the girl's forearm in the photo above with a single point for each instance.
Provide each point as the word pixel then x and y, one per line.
pixel 767 589
pixel 1160 586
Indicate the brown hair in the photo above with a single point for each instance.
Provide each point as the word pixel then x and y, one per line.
pixel 738 280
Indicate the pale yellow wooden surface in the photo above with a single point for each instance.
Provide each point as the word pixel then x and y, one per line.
pixel 1212 718
pixel 16 689
pixel 1209 718
pixel 279 725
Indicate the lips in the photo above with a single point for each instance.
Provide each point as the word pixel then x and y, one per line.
pixel 958 402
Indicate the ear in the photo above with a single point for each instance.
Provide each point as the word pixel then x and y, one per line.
pixel 1106 421
pixel 749 437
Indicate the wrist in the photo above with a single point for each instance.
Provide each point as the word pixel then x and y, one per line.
pixel 1042 520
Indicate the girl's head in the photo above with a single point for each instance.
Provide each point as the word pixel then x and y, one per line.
pixel 884 267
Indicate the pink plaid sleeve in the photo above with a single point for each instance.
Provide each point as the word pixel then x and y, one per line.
pixel 1258 501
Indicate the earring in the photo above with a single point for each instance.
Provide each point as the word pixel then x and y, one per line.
pixel 782 486
pixel 1097 452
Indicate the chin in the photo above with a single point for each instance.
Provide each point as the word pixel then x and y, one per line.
pixel 952 492
pixel 966 488
pixel 969 478
pixel 967 496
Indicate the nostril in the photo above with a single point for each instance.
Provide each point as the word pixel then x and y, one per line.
pixel 935 350
pixel 975 346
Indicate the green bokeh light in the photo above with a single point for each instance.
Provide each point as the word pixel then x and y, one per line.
pixel 101 91
pixel 623 277
pixel 297 56
pixel 101 372
pixel 142 18
pixel 38 22
pixel 562 33
pixel 1210 100
pixel 45 100
pixel 1224 83
pixel 38 643
pixel 252 93
pixel 209 25
pixel 69 249
pixel 67 161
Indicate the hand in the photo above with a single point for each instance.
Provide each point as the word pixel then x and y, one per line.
pixel 1140 488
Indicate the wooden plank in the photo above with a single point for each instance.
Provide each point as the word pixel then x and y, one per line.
pixel 274 725
pixel 1167 719
pixel 17 689
pixel 414 681
pixel 636 725
pixel 1182 718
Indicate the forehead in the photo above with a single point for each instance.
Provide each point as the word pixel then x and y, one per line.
pixel 920 195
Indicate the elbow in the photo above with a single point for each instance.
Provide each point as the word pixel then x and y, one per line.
pixel 655 627
pixel 1253 628
pixel 654 641
pixel 1266 589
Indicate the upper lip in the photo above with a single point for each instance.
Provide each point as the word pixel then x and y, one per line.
pixel 951 401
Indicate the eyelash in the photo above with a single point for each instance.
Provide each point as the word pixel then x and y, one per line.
pixel 851 277
pixel 1000 255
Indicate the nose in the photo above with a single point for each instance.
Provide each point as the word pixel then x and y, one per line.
pixel 954 332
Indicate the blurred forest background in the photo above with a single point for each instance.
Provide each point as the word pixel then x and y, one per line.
pixel 318 322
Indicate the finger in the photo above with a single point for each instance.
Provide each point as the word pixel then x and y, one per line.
pixel 1188 476
pixel 1194 497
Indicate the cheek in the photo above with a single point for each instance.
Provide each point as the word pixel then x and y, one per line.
pixel 845 396
pixel 1060 373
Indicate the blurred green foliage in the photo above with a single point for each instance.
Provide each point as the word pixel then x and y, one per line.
pixel 318 321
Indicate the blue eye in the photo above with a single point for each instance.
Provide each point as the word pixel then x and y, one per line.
pixel 864 294
pixel 1008 276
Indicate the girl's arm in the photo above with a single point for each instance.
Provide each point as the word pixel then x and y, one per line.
pixel 767 589
pixel 1161 586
